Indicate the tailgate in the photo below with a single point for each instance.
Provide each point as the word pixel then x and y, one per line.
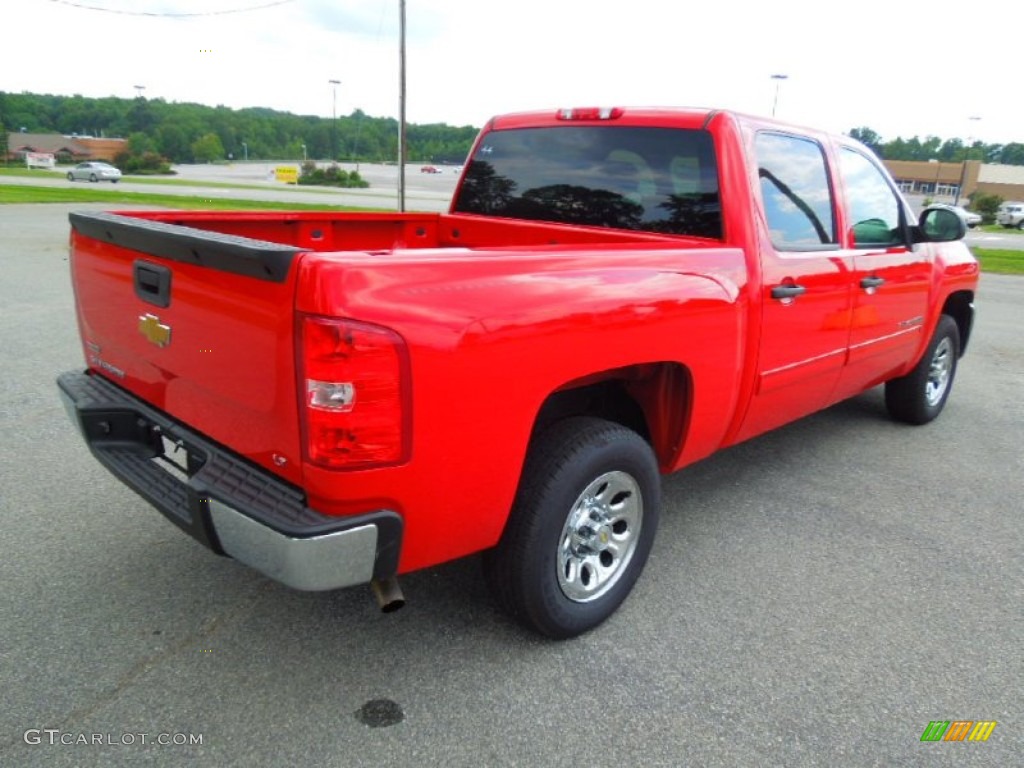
pixel 199 325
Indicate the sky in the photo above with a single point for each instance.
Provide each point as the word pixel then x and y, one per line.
pixel 899 68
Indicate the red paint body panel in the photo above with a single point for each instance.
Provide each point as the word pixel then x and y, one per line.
pixel 499 314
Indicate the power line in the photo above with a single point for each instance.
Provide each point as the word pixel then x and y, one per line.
pixel 86 7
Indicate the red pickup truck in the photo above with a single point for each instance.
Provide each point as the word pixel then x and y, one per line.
pixel 336 399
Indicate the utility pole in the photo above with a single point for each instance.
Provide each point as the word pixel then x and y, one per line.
pixel 778 82
pixel 401 106
pixel 334 120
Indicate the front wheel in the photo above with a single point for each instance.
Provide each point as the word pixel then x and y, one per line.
pixel 92 178
pixel 581 527
pixel 71 176
pixel 919 397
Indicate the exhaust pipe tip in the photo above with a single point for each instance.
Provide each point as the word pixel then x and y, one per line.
pixel 388 593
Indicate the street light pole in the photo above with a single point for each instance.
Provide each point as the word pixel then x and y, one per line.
pixel 138 90
pixel 778 82
pixel 245 149
pixel 334 120
pixel 963 167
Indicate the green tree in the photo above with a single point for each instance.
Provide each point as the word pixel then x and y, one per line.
pixel 869 138
pixel 986 205
pixel 140 143
pixel 207 148
pixel 1012 154
pixel 173 142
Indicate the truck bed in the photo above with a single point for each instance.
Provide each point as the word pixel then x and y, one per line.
pixel 324 232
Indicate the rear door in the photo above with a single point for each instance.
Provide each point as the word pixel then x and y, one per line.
pixel 806 283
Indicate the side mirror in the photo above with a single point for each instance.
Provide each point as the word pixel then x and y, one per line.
pixel 942 225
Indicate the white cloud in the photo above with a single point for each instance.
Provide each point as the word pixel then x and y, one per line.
pixel 901 69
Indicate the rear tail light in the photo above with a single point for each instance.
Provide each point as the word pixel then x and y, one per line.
pixel 355 390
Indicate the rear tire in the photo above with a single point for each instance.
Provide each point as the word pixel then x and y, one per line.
pixel 920 396
pixel 92 177
pixel 581 527
pixel 71 176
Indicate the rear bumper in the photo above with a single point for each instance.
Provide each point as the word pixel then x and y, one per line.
pixel 225 502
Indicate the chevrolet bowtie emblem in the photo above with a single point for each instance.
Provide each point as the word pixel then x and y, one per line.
pixel 154 331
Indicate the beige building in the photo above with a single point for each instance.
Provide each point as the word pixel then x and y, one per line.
pixel 946 180
pixel 67 149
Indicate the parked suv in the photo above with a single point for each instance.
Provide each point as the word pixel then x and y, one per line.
pixel 1011 215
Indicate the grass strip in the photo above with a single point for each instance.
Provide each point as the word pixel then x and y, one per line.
pixel 176 181
pixel 10 194
pixel 1001 261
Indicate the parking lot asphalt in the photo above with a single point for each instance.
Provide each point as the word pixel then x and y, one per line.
pixel 815 597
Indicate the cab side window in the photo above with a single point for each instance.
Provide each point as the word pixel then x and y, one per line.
pixel 796 192
pixel 873 207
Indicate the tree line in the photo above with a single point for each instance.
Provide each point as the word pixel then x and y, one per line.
pixel 935 148
pixel 186 132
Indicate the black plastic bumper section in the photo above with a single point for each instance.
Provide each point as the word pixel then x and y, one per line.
pixel 128 437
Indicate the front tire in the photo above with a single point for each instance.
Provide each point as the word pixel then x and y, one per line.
pixel 92 178
pixel 581 527
pixel 71 176
pixel 920 396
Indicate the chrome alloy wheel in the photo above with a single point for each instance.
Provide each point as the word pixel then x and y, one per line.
pixel 939 371
pixel 600 536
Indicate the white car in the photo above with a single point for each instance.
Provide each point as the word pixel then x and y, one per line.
pixel 1011 215
pixel 94 171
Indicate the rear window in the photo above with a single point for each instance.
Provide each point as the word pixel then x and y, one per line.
pixel 652 179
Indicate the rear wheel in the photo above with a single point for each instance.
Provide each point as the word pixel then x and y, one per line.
pixel 919 397
pixel 1020 224
pixel 71 176
pixel 92 177
pixel 581 527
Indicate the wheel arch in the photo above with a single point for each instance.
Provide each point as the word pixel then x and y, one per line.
pixel 652 399
pixel 960 307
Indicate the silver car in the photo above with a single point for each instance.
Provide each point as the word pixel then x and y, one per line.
pixel 94 171
pixel 971 219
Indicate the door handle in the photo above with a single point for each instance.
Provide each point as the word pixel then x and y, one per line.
pixel 788 291
pixel 871 282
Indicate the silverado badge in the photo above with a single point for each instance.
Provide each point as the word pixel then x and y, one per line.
pixel 154 331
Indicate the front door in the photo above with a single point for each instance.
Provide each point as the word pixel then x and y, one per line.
pixel 891 280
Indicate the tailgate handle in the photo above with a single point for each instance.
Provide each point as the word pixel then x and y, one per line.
pixel 152 283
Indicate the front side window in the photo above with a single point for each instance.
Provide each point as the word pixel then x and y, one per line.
pixel 873 206
pixel 627 177
pixel 796 192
